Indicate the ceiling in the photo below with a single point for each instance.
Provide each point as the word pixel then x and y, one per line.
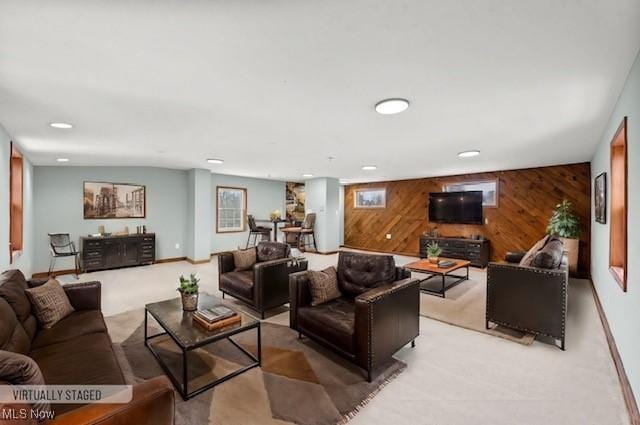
pixel 276 87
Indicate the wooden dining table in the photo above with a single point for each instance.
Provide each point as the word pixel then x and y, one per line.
pixel 275 225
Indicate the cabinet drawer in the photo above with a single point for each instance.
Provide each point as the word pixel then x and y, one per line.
pixel 93 264
pixel 147 246
pixel 93 244
pixel 147 256
pixel 87 255
pixel 147 239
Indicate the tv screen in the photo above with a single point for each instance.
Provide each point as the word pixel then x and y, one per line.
pixel 456 207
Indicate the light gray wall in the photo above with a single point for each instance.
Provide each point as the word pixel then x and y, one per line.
pixel 263 196
pixel 59 207
pixel 622 309
pixel 323 198
pixel 200 223
pixel 24 261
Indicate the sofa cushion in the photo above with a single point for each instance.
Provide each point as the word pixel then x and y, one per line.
pixel 86 360
pixel 13 337
pixel 50 303
pixel 76 324
pixel 238 282
pixel 528 257
pixel 333 321
pixel 244 259
pixel 12 287
pixel 357 273
pixel 323 285
pixel 267 251
pixel 550 256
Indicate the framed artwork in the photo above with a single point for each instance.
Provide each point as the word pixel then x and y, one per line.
pixel 489 190
pixel 600 198
pixel 295 197
pixel 231 209
pixel 114 200
pixel 370 198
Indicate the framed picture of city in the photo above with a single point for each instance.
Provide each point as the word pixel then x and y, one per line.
pixel 114 200
pixel 370 198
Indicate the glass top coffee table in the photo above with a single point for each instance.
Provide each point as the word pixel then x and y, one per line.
pixel 188 336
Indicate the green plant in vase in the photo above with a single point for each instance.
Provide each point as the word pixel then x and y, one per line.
pixel 433 252
pixel 566 225
pixel 189 292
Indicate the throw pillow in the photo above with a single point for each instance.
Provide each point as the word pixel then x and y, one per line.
pixel 323 285
pixel 549 257
pixel 50 303
pixel 244 259
pixel 528 257
pixel 18 369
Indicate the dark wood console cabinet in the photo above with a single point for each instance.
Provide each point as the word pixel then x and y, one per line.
pixel 110 252
pixel 474 250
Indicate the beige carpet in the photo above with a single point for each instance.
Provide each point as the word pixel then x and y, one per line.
pixel 465 306
pixel 299 382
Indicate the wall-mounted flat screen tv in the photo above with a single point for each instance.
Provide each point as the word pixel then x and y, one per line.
pixel 456 207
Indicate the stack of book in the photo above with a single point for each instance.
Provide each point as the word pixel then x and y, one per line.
pixel 216 317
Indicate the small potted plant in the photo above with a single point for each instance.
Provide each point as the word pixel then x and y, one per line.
pixel 433 252
pixel 189 291
pixel 565 225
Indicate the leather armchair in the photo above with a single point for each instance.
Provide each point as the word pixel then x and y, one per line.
pixel 529 299
pixel 266 285
pixel 377 314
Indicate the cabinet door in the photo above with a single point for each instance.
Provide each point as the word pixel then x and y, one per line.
pixel 130 249
pixel 112 253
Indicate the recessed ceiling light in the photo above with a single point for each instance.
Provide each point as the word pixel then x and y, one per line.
pixel 468 154
pixel 307 175
pixel 391 106
pixel 62 159
pixel 215 161
pixel 369 167
pixel 63 125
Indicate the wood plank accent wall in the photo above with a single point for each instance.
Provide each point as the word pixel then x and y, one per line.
pixel 526 200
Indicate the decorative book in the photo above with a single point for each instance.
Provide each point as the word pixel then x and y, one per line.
pixel 215 313
pixel 217 325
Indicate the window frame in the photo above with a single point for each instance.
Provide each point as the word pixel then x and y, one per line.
pixel 243 213
pixel 619 215
pixel 16 203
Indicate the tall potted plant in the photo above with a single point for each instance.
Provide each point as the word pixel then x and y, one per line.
pixel 566 225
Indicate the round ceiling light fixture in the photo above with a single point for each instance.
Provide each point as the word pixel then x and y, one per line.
pixel 307 175
pixel 469 154
pixel 62 159
pixel 369 167
pixel 392 106
pixel 215 161
pixel 62 125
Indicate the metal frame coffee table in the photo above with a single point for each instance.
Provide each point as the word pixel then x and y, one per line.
pixel 188 336
pixel 424 266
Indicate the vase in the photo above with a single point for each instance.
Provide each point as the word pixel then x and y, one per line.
pixel 189 302
pixel 572 246
pixel 433 260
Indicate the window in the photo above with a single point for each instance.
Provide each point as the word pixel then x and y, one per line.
pixel 231 207
pixel 489 190
pixel 618 226
pixel 15 202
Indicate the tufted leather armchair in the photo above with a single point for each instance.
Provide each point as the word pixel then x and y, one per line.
pixel 377 314
pixel 266 285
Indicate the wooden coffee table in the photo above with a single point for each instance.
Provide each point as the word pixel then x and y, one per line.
pixel 424 266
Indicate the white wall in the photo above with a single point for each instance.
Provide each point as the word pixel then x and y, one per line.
pixel 58 194
pixel 323 198
pixel 622 309
pixel 24 261
pixel 263 196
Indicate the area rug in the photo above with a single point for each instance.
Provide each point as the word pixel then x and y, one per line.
pixel 299 381
pixel 465 306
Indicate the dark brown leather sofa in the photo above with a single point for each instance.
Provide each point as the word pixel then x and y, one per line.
pixel 266 285
pixel 377 314
pixel 529 299
pixel 76 351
